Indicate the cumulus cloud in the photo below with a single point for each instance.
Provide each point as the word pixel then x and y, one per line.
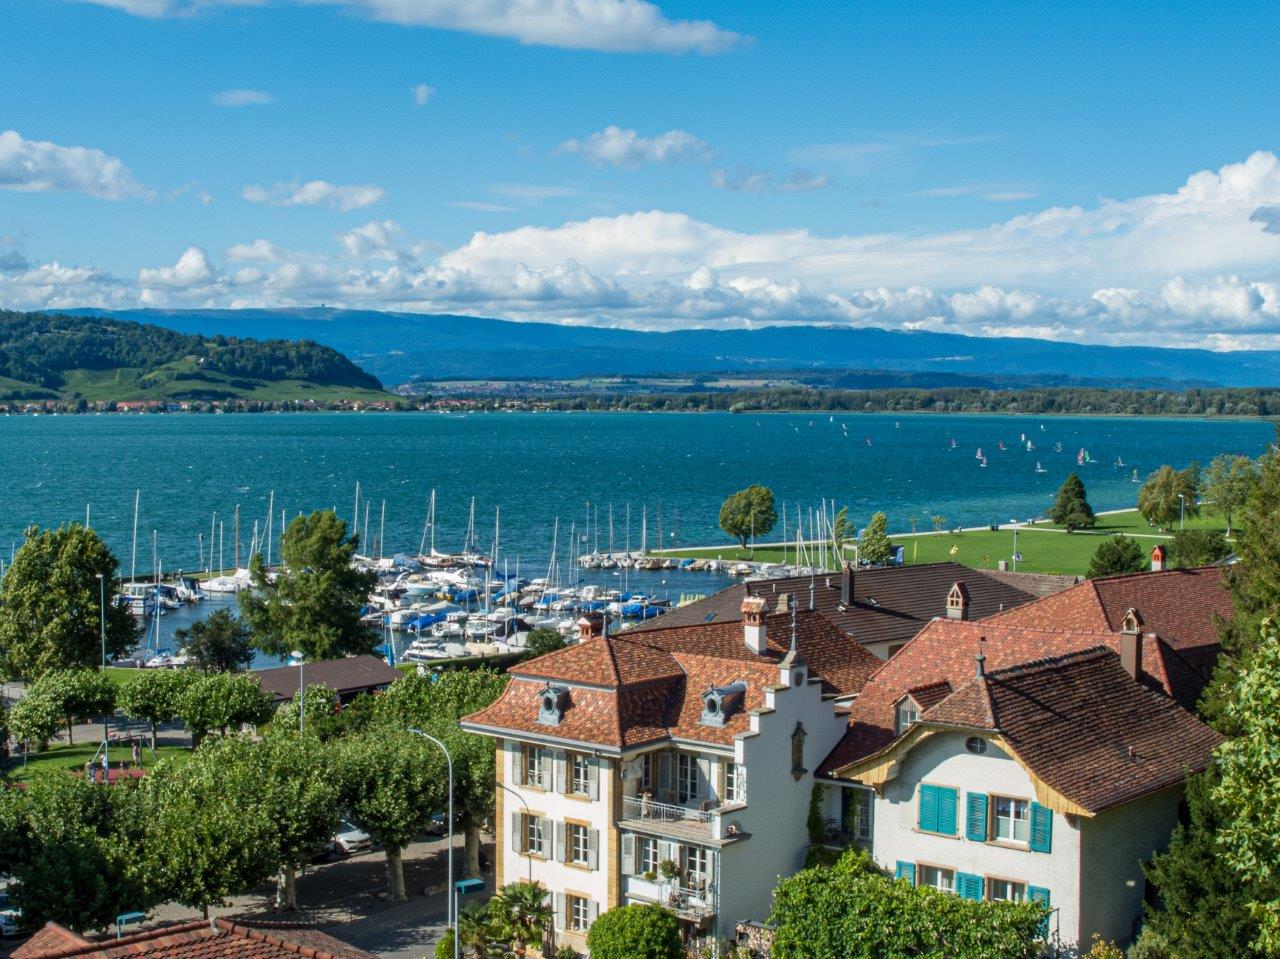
pixel 613 26
pixel 316 193
pixel 39 165
pixel 422 92
pixel 241 98
pixel 192 269
pixel 614 146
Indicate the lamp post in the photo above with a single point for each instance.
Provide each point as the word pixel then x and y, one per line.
pixel 1182 511
pixel 497 879
pixel 451 914
pixel 302 691
pixel 102 634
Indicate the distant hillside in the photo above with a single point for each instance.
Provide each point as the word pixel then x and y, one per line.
pixel 53 356
pixel 401 346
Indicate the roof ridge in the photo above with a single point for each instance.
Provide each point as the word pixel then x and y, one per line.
pixel 1099 651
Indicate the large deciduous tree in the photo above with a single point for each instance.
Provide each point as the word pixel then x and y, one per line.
pixel 1116 555
pixel 220 701
pixel 1228 482
pixel 155 696
pixel 50 604
pixel 314 604
pixel 75 693
pixel 748 513
pixel 219 644
pixel 874 546
pixel 1071 508
pixel 1168 495
pixel 1189 548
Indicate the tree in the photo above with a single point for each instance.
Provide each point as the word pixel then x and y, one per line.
pixel 154 696
pixel 1249 789
pixel 851 912
pixel 1071 508
pixel 35 719
pixel 874 546
pixel 519 914
pixel 1116 555
pixel 207 835
pixel 392 782
pixel 748 513
pixel 937 522
pixel 841 533
pixel 321 704
pixel 636 932
pixel 222 700
pixel 1168 495
pixel 75 693
pixel 314 604
pixel 49 604
pixel 71 852
pixel 1228 482
pixel 219 644
pixel 541 641
pixel 1197 547
pixel 1204 907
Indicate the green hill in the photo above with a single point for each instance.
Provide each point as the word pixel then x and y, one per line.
pixel 100 359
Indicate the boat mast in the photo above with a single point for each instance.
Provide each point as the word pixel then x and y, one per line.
pixel 382 528
pixel 271 508
pixel 133 560
pixel 213 529
pixel 235 536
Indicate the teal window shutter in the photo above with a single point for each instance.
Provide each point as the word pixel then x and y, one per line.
pixel 1040 895
pixel 1041 828
pixel 970 886
pixel 928 818
pixel 948 799
pixel 905 870
pixel 975 817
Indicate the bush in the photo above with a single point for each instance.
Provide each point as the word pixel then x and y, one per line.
pixel 1117 555
pixel 636 932
pixel 1197 547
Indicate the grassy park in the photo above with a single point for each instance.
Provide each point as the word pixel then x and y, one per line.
pixel 71 758
pixel 1045 548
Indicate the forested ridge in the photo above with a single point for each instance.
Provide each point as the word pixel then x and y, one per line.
pixel 40 348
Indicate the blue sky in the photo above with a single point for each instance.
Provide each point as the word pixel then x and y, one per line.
pixel 1065 170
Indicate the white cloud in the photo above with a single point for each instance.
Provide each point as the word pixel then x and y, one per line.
pixel 316 193
pixel 192 269
pixel 746 180
pixel 533 192
pixel 374 240
pixel 614 146
pixel 480 206
pixel 241 98
pixel 33 166
pixel 422 92
pixel 613 26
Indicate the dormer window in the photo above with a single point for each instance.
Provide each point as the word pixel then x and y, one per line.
pixel 906 714
pixel 721 702
pixel 551 704
pixel 1132 622
pixel 958 602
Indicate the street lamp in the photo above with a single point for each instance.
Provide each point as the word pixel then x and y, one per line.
pixel 451 913
pixel 102 634
pixel 1182 511
pixel 302 692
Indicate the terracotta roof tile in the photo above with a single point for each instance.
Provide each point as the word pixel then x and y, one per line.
pixel 219 939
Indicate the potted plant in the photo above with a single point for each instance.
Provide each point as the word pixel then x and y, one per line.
pixel 669 869
pixel 650 875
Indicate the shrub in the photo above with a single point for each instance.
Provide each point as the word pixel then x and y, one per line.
pixel 636 932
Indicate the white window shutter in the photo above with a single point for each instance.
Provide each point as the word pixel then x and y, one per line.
pixel 517 765
pixel 664 771
pixel 718 778
pixel 593 910
pixel 561 920
pixel 593 849
pixel 704 778
pixel 560 763
pixel 560 844
pixel 742 783
pixel 628 855
pixel 546 769
pixel 593 778
pixel 517 831
pixel 548 836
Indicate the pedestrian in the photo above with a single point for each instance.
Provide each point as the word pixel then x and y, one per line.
pixel 88 771
pixel 137 752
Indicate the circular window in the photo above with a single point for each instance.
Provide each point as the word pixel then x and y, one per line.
pixel 713 707
pixel 976 745
pixel 548 704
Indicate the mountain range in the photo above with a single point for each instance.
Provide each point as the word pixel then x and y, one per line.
pixel 397 347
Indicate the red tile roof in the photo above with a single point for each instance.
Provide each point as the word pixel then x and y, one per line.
pixel 218 939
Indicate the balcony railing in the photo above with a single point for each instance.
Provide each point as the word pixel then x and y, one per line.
pixel 695 903
pixel 646 810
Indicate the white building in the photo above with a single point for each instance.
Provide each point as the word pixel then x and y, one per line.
pixel 673 766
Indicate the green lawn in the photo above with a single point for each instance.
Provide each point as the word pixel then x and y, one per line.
pixel 72 758
pixel 1044 548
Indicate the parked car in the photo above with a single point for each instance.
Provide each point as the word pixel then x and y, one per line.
pixel 351 839
pixel 10 916
pixel 439 824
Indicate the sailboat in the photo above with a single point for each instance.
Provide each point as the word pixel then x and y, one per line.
pixel 868 439
pixel 979 454
pixel 1022 437
pixel 953 442
pixel 1081 457
pixel 1000 446
pixel 1030 446
pixel 1039 468
pixel 1057 447
pixel 1134 478
pixel 982 462
pixel 1119 463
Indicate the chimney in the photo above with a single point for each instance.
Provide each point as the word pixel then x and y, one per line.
pixel 958 602
pixel 846 585
pixel 981 659
pixel 753 629
pixel 590 626
pixel 784 603
pixel 1157 558
pixel 1131 653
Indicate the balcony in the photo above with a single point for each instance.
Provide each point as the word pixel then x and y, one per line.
pixel 666 819
pixel 691 898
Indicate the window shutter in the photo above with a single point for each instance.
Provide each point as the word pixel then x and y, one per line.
pixel 704 778
pixel 517 765
pixel 593 910
pixel 975 817
pixel 970 886
pixel 928 815
pixel 560 844
pixel 668 850
pixel 517 831
pixel 717 784
pixel 593 779
pixel 948 799
pixel 1040 895
pixel 546 769
pixel 593 848
pixel 1041 828
pixel 561 761
pixel 905 870
pixel 561 917
pixel 742 783
pixel 628 855
pixel 664 771
pixel 547 832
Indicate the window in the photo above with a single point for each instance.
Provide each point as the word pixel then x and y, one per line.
pixel 856 809
pixel 937 811
pixel 944 880
pixel 535 767
pixel 647 777
pixel 905 716
pixel 696 865
pixel 646 855
pixel 577 913
pixel 1006 890
pixel 579 844
pixel 579 774
pixel 686 777
pixel 1013 819
pixel 534 841
pixel 735 783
